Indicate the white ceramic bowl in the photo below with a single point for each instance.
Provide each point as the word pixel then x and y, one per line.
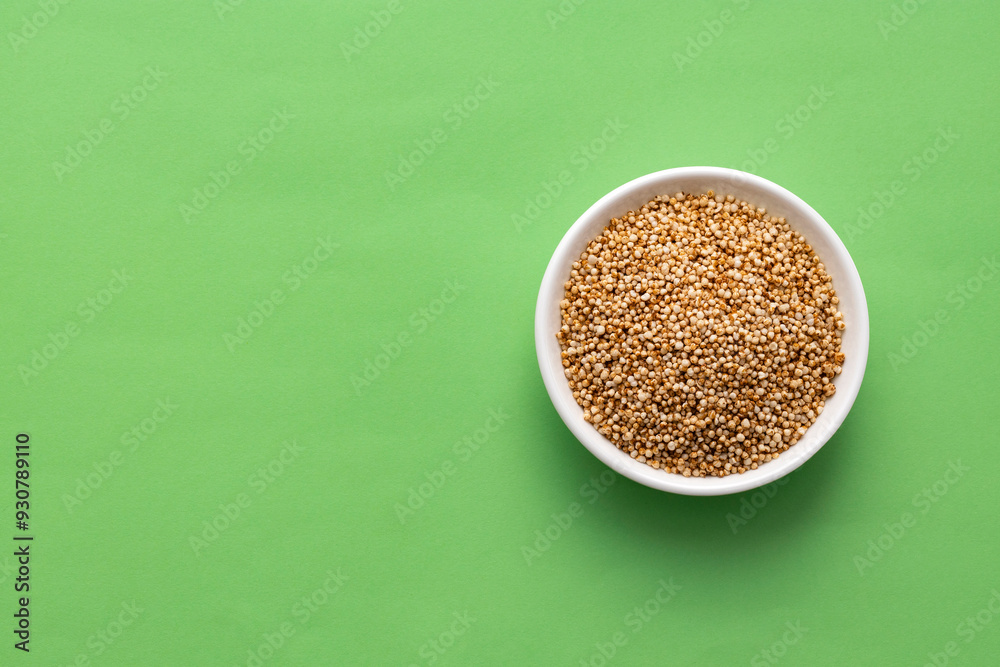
pixel 778 202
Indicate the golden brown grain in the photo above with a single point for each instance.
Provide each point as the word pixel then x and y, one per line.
pixel 700 335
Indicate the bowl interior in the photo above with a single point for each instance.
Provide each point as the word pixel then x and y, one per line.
pixel 761 193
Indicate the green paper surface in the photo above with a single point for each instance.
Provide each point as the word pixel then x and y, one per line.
pixel 268 283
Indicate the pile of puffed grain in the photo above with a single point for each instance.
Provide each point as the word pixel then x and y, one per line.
pixel 700 335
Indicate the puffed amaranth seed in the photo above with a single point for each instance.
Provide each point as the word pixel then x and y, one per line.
pixel 700 335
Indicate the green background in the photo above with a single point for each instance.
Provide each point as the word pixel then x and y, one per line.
pixel 366 447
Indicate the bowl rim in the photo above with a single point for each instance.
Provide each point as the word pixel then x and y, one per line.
pixel 555 382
